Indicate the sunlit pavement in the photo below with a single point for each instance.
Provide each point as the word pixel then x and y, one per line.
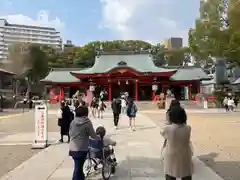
pixel 138 155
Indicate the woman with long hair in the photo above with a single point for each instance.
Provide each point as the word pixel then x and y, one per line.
pixel 64 121
pixel 178 150
pixel 131 113
pixel 174 103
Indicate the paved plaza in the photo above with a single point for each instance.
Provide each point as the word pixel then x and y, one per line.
pixel 138 154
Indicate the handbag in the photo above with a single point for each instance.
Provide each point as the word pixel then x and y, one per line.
pixel 59 114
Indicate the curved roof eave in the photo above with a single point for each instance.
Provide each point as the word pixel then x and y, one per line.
pixel 236 82
pixel 91 70
pixel 60 77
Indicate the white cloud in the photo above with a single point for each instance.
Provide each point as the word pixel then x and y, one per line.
pixel 141 19
pixel 41 20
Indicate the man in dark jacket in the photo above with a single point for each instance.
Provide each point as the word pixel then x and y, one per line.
pixel 116 108
pixel 81 129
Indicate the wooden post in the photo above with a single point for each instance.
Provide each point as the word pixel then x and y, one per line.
pixel 109 91
pixel 136 90
pixel 190 92
pixel 61 94
pixel 153 95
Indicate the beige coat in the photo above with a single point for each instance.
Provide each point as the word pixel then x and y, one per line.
pixel 178 152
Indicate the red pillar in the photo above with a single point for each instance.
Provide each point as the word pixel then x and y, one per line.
pixel 163 89
pixel 153 95
pixel 110 91
pixel 198 88
pixel 85 90
pixel 190 92
pixel 136 90
pixel 61 94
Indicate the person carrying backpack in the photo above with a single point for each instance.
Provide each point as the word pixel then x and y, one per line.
pixel 131 113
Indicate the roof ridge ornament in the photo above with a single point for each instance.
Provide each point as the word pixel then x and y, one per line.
pixel 122 63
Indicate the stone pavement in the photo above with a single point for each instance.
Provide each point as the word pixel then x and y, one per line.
pixel 138 155
pixel 193 111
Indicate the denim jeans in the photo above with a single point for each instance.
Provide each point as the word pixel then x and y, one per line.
pixel 78 166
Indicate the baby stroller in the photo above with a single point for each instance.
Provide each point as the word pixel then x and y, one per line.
pixel 100 158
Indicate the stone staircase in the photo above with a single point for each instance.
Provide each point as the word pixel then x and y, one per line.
pixel 142 105
pixel 146 105
pixel 190 105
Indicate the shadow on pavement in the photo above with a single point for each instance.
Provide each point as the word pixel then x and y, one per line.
pixel 139 127
pixel 228 170
pixel 13 111
pixel 139 167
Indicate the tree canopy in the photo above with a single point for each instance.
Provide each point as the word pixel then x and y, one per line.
pixel 33 61
pixel 84 56
pixel 216 32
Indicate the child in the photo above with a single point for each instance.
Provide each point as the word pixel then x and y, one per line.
pixel 101 109
pixel 94 106
pixel 104 144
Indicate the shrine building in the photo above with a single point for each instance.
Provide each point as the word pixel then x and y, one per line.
pixel 132 72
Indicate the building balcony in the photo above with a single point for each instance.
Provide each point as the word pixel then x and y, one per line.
pixel 41 41
pixel 32 34
pixel 29 38
pixel 28 29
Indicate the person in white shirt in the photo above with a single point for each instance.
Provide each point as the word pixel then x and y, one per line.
pixel 230 104
pixel 123 105
pixel 225 103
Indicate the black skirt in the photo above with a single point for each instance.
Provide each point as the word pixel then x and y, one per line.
pixel 64 130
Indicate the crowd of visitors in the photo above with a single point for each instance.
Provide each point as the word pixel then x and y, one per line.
pixel 74 122
pixel 230 103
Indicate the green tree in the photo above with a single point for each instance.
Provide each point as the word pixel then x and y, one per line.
pixel 234 32
pixel 159 55
pixel 28 61
pixel 177 57
pixel 210 36
pixel 84 56
pixel 66 57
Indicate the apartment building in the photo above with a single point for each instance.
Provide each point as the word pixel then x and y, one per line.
pixel 14 33
pixel 173 43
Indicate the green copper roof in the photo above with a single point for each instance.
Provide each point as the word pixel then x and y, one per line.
pixel 212 80
pixel 60 76
pixel 189 73
pixel 7 72
pixel 139 62
pixel 236 82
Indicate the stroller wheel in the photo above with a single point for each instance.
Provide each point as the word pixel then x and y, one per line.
pixel 87 166
pixel 113 169
pixel 107 169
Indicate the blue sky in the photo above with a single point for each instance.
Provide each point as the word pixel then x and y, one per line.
pixel 86 20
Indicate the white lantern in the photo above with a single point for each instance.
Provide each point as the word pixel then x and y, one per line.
pixel 154 87
pixel 91 88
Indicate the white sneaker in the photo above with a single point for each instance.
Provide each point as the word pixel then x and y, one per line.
pixel 133 129
pixel 115 127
